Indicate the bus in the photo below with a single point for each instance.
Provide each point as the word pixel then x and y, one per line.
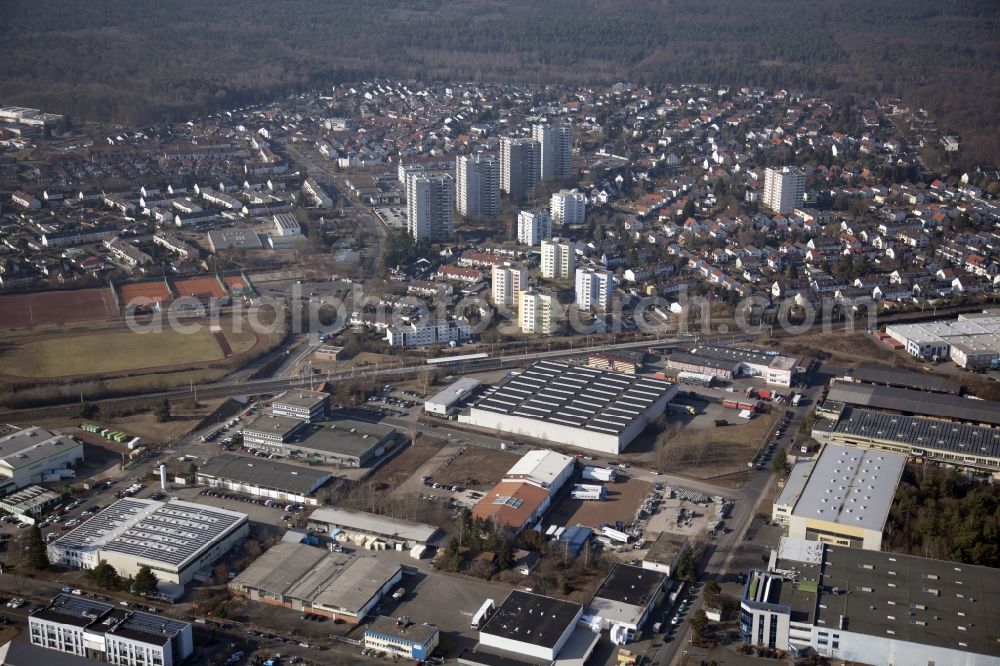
pixel 483 614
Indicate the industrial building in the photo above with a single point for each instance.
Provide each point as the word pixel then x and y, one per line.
pixel 402 637
pixel 345 442
pixel 871 607
pixel 626 361
pixel 845 499
pixel 624 601
pixel 703 365
pixel 573 405
pixel 363 527
pixel 916 403
pixel 233 239
pixel 664 553
pixel 445 401
pixel 30 502
pixel 543 468
pixel 113 634
pixel 176 539
pixel 729 362
pixel 35 455
pixel 263 478
pixel 965 446
pixel 971 341
pixel 883 375
pixel 513 505
pixel 301 404
pixel 531 625
pixel 270 431
pixel 781 510
pixel 306 578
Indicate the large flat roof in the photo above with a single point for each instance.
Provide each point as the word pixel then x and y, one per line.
pixel 272 424
pixel 920 403
pixel 263 472
pixel 411 631
pixel 577 396
pixel 873 373
pixel 371 523
pixel 105 618
pixel 454 392
pixel 511 503
pixel 851 486
pixel 345 437
pixel 300 398
pixel 532 618
pixel 174 532
pixel 665 548
pixel 631 585
pixel 540 466
pixel 28 446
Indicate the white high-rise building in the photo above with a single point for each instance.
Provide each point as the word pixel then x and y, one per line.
pixel 509 280
pixel 533 226
pixel 568 207
pixel 430 207
pixel 404 170
pixel 477 181
pixel 558 259
pixel 556 143
pixel 537 313
pixel 594 289
pixel 519 167
pixel 784 189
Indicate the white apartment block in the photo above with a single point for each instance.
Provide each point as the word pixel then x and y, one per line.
pixel 556 144
pixel 533 226
pixel 784 189
pixel 477 181
pixel 520 164
pixel 405 170
pixel 508 281
pixel 430 207
pixel 558 259
pixel 568 207
pixel 537 313
pixel 594 289
pixel 426 333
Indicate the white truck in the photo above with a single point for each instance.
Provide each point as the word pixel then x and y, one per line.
pixel 602 474
pixel 796 399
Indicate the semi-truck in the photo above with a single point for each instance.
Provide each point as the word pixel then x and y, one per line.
pixel 796 399
pixel 483 614
pixel 588 492
pixel 602 474
pixel 614 534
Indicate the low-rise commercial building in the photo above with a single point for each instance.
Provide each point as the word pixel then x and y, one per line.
pixel 306 578
pixel 665 552
pixel 34 455
pixel 543 468
pixel 113 634
pixel 263 478
pixel 971 341
pixel 444 401
pixel 363 527
pixel 270 431
pixel 531 625
pixel 513 505
pixel 916 403
pixel 402 637
pixel 175 539
pixel 346 442
pixel 729 362
pixel 624 601
pixel 301 404
pixel 30 502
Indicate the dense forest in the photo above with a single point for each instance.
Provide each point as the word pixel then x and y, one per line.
pixel 131 62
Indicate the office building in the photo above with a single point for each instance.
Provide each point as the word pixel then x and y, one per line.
pixel 176 539
pixel 556 149
pixel 509 281
pixel 624 601
pixel 271 430
pixel 402 637
pixel 301 404
pixel 430 207
pixel 784 189
pixel 594 289
pixel 112 634
pixel 260 477
pixel 533 226
pixel 537 313
pixel 573 405
pixel 477 181
pixel 870 607
pixel 35 455
pixel 306 578
pixel 531 625
pixel 519 167
pixel 558 259
pixel 568 207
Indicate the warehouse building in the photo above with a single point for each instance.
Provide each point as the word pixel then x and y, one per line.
pixel 781 510
pixel 883 375
pixel 30 502
pixel 971 341
pixel 628 362
pixel 531 625
pixel 401 637
pixel 965 446
pixel 847 497
pixel 513 505
pixel 345 442
pixel 112 634
pixel 233 239
pixel 665 552
pixel 872 607
pixel 543 468
pixel 573 405
pixel 175 539
pixel 729 362
pixel 263 478
pixel 625 600
pixel 35 455
pixel 310 579
pixel 916 403
pixel 445 401
pixel 301 404
pixel 363 527
pixel 703 365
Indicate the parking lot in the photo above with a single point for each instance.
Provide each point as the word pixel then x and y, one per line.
pixel 623 500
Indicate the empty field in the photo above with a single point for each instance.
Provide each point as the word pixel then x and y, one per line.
pixel 476 468
pixel 117 351
pixel 56 307
pixel 710 452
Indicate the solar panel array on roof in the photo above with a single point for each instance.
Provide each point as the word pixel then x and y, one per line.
pixel 916 402
pixel 576 396
pixel 921 432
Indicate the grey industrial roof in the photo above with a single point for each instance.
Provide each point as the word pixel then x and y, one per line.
pixel 173 532
pixel 851 486
pixel 873 373
pixel 795 482
pixel 272 424
pixel 910 401
pixel 932 602
pixel 344 437
pixel 665 548
pixel 105 618
pixel 454 392
pixel 21 653
pixel 265 473
pixel 27 446
pixel 532 618
pixel 917 432
pixel 576 396
pixel 410 631
pixel 225 239
pixel 706 361
pixel 371 523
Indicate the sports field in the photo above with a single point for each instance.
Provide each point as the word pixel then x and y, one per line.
pixel 56 307
pixel 155 290
pixel 206 287
pixel 119 351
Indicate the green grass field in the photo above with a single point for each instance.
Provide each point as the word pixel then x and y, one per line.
pixel 102 353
